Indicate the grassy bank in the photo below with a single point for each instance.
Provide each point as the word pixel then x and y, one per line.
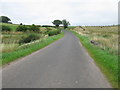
pixel 12 26
pixel 107 61
pixel 11 56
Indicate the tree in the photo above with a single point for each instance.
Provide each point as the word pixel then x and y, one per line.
pixel 21 24
pixel 29 38
pixel 4 19
pixel 57 23
pixel 65 23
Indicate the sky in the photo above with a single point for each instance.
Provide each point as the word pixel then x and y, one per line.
pixel 77 12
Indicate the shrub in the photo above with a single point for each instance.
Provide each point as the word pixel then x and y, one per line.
pixel 47 26
pixel 47 29
pixel 21 28
pixel 53 32
pixel 5 28
pixel 34 28
pixel 30 38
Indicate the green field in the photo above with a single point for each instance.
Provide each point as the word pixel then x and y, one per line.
pixel 12 49
pixel 105 53
pixel 12 26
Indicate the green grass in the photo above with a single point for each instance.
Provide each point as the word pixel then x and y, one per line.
pixel 12 26
pixel 11 56
pixel 107 62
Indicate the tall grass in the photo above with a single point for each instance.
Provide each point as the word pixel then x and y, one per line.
pixel 106 36
pixel 11 56
pixel 9 47
pixel 110 44
pixel 105 54
pixel 15 44
pixel 107 62
pixel 10 42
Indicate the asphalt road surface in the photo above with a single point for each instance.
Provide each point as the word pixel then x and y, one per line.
pixel 63 64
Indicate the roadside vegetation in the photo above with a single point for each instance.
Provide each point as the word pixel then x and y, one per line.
pixel 102 44
pixel 18 40
pixel 25 49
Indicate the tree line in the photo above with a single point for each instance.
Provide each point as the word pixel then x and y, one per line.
pixel 57 23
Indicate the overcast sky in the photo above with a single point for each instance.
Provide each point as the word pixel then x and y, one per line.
pixel 77 12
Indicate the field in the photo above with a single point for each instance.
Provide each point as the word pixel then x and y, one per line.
pixel 106 36
pixel 16 44
pixel 102 44
pixel 12 26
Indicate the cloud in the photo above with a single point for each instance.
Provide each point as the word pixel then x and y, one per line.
pixel 78 12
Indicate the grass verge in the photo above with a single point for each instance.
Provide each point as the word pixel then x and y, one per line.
pixel 107 62
pixel 11 56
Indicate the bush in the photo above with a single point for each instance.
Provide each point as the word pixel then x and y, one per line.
pixel 47 26
pixel 21 28
pixel 31 37
pixel 47 29
pixel 5 28
pixel 53 32
pixel 34 28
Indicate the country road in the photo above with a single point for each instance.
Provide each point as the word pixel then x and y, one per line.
pixel 63 64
